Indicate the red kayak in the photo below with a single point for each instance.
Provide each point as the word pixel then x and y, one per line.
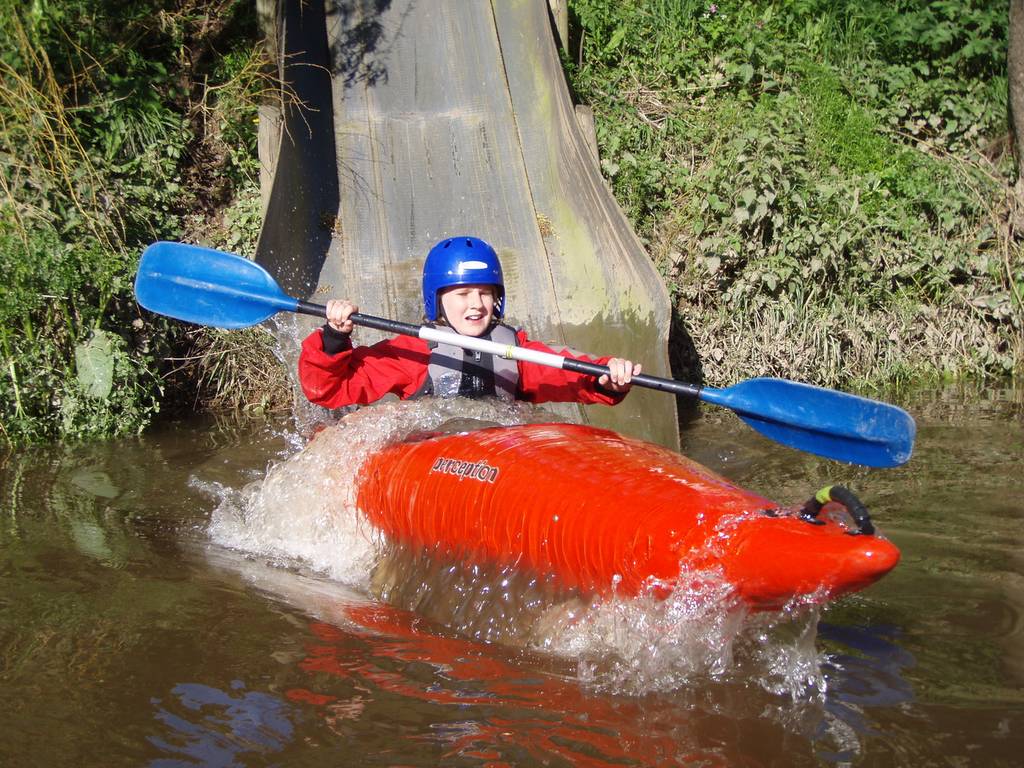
pixel 608 514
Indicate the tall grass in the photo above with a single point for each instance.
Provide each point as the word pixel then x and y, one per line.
pixel 116 120
pixel 837 162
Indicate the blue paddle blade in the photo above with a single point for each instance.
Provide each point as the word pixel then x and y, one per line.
pixel 208 287
pixel 832 424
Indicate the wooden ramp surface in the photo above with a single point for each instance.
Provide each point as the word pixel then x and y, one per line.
pixel 431 118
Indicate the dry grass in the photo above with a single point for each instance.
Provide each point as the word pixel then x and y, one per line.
pixel 43 149
pixel 234 371
pixel 839 346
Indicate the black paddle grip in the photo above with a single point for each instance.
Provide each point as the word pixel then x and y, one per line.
pixel 641 380
pixel 308 308
pixel 383 324
pixel 368 321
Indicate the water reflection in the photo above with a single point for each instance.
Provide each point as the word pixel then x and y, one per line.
pixel 125 634
pixel 866 676
pixel 497 709
pixel 870 673
pixel 212 727
pixel 365 662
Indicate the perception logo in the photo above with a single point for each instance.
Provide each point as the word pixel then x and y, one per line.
pixel 480 471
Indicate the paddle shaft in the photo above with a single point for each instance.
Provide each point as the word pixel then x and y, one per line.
pixel 202 285
pixel 501 350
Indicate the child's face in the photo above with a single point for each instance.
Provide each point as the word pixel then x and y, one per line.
pixel 469 308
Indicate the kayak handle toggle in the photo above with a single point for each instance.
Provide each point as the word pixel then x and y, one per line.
pixel 841 495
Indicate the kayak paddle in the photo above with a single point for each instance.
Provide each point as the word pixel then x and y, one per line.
pixel 209 287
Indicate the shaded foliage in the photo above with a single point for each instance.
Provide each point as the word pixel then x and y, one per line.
pixel 106 110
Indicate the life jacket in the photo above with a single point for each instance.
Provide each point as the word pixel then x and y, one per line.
pixel 453 370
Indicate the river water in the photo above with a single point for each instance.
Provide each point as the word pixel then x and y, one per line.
pixel 206 595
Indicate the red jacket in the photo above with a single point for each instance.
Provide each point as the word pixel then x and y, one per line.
pixel 363 375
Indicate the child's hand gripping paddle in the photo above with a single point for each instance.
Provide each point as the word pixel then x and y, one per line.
pixel 209 287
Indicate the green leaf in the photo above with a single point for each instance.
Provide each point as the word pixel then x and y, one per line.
pixel 95 482
pixel 94 362
pixel 617 36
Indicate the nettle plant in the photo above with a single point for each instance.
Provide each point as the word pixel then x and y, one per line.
pixel 814 151
pixel 805 189
pixel 104 106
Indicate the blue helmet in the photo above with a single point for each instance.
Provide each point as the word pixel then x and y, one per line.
pixel 461 261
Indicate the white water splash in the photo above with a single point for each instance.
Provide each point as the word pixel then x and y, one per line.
pixel 302 516
pixel 698 634
pixel 303 511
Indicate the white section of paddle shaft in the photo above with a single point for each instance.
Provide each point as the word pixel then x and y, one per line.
pixel 509 351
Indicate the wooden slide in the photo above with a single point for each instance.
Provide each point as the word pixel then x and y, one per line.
pixel 406 121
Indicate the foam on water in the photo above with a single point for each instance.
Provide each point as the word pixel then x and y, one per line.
pixel 303 511
pixel 697 634
pixel 302 515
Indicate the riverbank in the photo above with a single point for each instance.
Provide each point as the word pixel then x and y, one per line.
pixel 824 188
pixel 120 124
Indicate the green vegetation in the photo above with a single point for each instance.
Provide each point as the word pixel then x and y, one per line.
pixel 121 122
pixel 824 185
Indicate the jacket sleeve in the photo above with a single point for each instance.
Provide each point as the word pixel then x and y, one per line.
pixel 360 375
pixel 541 384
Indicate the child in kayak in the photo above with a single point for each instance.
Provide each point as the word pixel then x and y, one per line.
pixel 463 291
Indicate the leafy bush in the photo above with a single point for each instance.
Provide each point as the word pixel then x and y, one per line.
pixel 102 129
pixel 63 374
pixel 815 160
